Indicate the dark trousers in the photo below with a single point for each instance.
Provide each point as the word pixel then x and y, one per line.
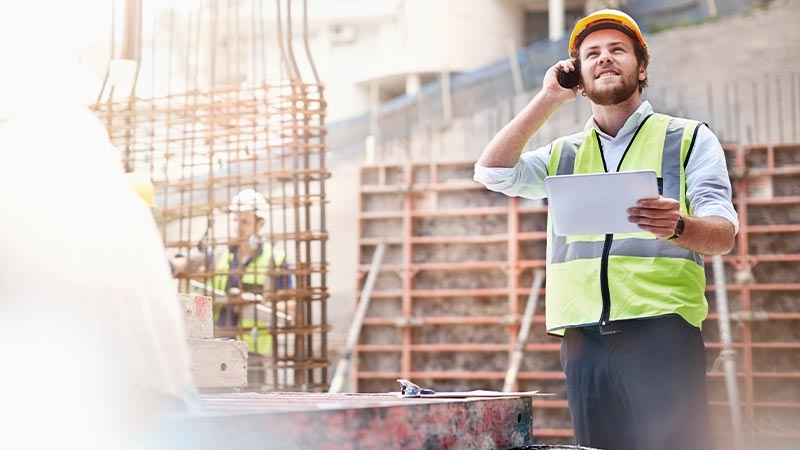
pixel 228 316
pixel 643 388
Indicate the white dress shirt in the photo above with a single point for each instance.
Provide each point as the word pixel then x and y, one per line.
pixel 708 186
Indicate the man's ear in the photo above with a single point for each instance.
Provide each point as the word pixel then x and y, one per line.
pixel 642 72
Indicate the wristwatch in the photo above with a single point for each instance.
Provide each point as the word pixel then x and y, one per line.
pixel 678 229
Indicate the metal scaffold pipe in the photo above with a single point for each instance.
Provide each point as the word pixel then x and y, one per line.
pixel 728 355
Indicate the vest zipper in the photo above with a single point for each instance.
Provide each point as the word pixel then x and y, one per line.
pixel 605 293
pixel 604 289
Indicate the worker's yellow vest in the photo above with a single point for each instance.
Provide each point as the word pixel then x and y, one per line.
pixel 596 279
pixel 255 271
pixel 255 274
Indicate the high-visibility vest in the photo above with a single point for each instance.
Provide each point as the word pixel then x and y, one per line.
pixel 254 270
pixel 252 280
pixel 598 279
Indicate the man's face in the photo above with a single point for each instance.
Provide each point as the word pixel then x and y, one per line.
pixel 609 68
pixel 248 224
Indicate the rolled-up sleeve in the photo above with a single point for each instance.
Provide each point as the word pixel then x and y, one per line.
pixel 526 179
pixel 708 185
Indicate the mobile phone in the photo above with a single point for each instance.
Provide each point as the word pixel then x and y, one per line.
pixel 569 80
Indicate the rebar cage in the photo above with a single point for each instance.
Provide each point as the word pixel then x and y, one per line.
pixel 217 104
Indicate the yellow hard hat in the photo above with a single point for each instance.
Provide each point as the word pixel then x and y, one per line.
pixel 143 186
pixel 604 19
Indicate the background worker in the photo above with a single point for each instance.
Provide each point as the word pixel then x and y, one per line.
pixel 629 306
pixel 243 271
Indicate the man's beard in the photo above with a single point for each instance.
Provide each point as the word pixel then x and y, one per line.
pixel 607 96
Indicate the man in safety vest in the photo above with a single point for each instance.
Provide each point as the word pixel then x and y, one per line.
pixel 243 271
pixel 628 305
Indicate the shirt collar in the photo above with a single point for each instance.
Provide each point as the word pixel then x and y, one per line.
pixel 633 122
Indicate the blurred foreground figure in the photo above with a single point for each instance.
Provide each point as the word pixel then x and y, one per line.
pixel 90 328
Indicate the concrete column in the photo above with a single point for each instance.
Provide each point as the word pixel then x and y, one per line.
pixel 447 99
pixel 374 107
pixel 132 31
pixel 555 19
pixel 413 84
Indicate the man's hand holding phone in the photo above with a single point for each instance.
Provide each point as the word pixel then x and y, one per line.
pixel 569 80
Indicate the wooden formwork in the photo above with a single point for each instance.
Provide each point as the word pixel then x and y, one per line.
pixel 446 308
pixel 762 278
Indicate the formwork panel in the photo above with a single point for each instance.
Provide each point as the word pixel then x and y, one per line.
pixel 392 255
pixel 455 252
pixel 535 219
pixel 458 306
pixel 456 333
pixel 774 214
pixel 383 202
pixel 474 361
pixel 776 300
pixel 455 226
pixel 466 278
pixel 779 390
pixel 775 242
pixel 776 420
pixel 541 360
pixel 778 329
pixel 784 269
pixel 384 307
pixel 533 250
pixel 381 334
pixel 387 362
pixel 467 259
pixel 776 360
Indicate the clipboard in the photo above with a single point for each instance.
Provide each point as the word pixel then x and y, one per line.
pixel 597 203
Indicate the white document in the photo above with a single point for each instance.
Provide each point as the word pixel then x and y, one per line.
pixel 597 203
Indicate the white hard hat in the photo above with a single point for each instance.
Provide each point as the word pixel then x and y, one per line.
pixel 248 200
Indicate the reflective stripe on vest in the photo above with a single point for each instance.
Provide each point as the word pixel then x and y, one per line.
pixel 254 272
pixel 602 278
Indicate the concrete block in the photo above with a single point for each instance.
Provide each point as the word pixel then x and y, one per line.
pixel 197 316
pixel 218 363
